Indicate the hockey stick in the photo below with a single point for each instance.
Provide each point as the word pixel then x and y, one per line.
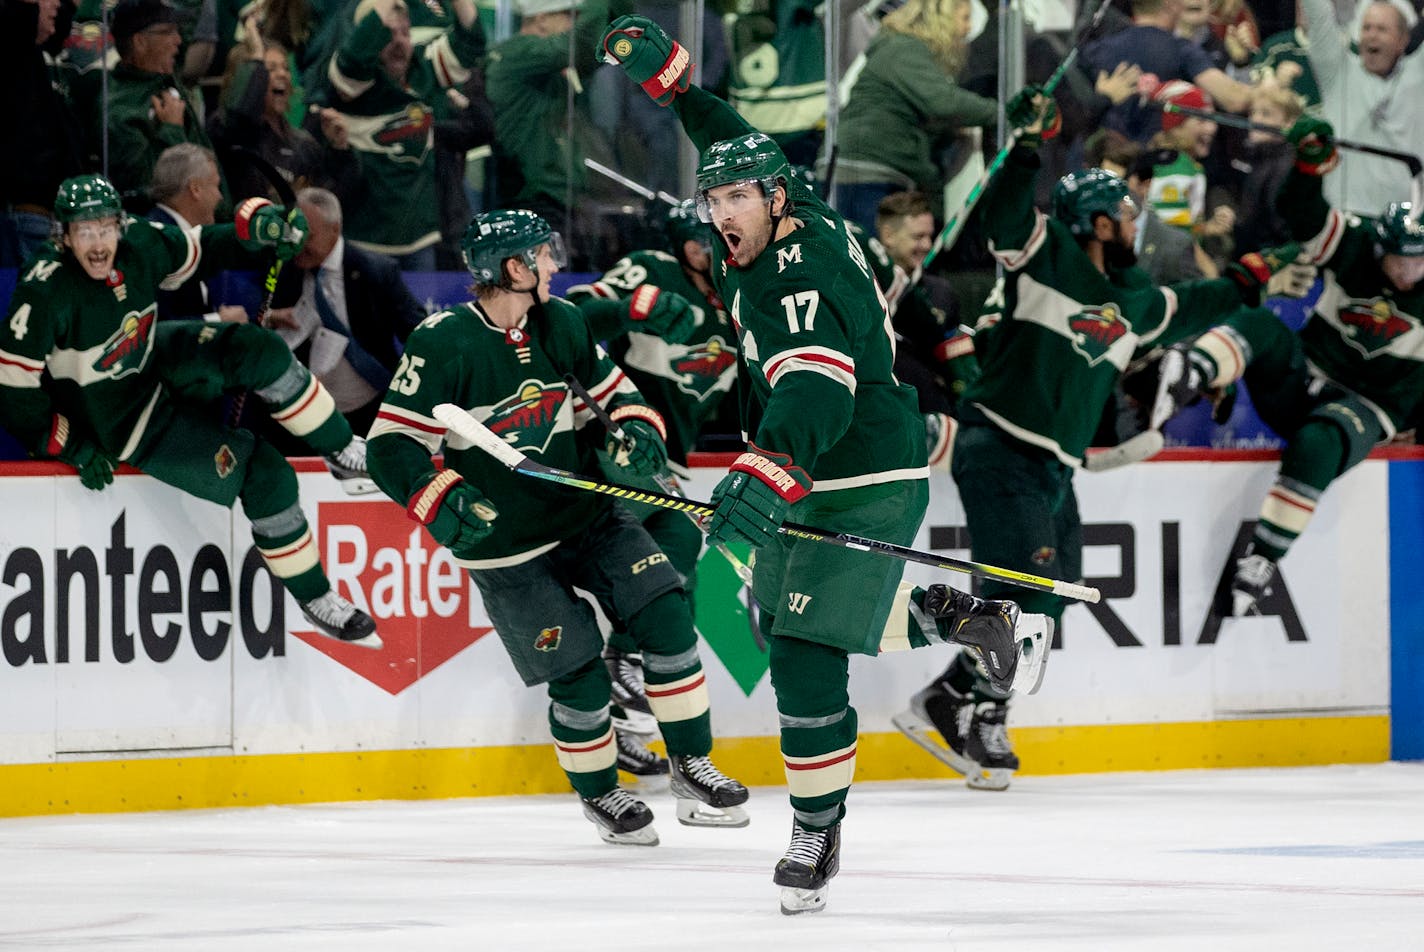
pixel 665 481
pixel 629 184
pixel 1134 449
pixel 950 232
pixel 465 425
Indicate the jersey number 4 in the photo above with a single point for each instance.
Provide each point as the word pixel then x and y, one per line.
pixel 801 310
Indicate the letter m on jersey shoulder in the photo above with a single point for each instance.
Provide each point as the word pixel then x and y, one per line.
pixel 786 256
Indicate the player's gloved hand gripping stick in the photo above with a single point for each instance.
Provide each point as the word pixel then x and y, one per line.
pixel 461 422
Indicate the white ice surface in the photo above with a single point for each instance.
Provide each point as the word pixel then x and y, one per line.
pixel 1300 859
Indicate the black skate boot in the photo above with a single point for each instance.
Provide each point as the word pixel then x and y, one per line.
pixel 1180 383
pixel 986 745
pixel 621 818
pixel 705 795
pixel 1012 648
pixel 337 618
pixel 804 873
pixel 626 671
pixel 1251 584
pixel 634 757
pixel 940 708
pixel 349 468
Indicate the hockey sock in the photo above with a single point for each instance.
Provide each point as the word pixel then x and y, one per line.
pixel 622 642
pixel 818 727
pixel 672 674
pixel 583 733
pixel 1314 456
pixel 1220 355
pixel 279 527
pixel 305 408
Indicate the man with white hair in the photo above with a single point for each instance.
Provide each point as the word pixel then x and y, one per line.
pixel 1370 96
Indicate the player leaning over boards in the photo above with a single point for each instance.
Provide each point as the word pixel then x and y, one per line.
pixel 1070 314
pixel 503 358
pixel 88 377
pixel 683 367
pixel 836 442
pixel 1353 377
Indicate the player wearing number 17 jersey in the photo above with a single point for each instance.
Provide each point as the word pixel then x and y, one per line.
pixel 835 441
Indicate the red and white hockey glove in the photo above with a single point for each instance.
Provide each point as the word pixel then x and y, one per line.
pixel 665 314
pixel 643 450
pixel 456 514
pixel 752 500
pixel 650 57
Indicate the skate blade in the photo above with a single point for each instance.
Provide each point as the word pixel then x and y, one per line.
pixel 796 901
pixel 692 812
pixel 647 836
pixel 636 722
pixel 360 486
pixel 1035 637
pixel 989 778
pixel 923 735
pixel 372 641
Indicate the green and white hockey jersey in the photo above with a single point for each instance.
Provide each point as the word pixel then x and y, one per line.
pixel 1057 332
pixel 513 382
pixel 1363 335
pixel 814 333
pixel 685 382
pixel 83 347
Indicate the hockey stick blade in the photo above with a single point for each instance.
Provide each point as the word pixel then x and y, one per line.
pixel 462 423
pixel 1134 449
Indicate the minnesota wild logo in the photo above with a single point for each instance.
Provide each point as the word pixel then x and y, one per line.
pixel 126 350
pixel 528 419
pixel 1095 329
pixel 699 369
pixel 406 136
pixel 1371 326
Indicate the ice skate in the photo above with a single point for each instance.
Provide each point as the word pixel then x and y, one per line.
pixel 337 618
pixel 349 468
pixel 621 818
pixel 940 708
pixel 986 747
pixel 1011 647
pixel 705 795
pixel 1179 384
pixel 804 873
pixel 634 757
pixel 626 671
pixel 1251 584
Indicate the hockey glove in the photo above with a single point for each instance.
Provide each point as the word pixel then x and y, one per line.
pixel 96 468
pixel 641 451
pixel 1315 152
pixel 456 514
pixel 665 314
pixel 752 500
pixel 260 224
pixel 650 57
pixel 1034 113
pixel 1254 273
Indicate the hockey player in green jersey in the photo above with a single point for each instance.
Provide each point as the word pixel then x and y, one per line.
pixel 527 545
pixel 1069 315
pixel 88 377
pixel 835 441
pixel 1351 378
pixel 684 364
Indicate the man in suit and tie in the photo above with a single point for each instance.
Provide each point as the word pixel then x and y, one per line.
pixel 186 189
pixel 344 312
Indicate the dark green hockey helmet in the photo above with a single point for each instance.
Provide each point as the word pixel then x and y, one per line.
pixel 750 158
pixel 683 225
pixel 1080 196
pixel 85 198
pixel 1398 231
pixel 495 237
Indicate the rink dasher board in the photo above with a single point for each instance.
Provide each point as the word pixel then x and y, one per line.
pixel 195 702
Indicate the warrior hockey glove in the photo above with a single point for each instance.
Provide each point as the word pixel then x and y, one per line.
pixel 455 513
pixel 1255 273
pixel 1315 152
pixel 642 451
pixel 648 55
pixel 260 224
pixel 1034 114
pixel 753 498
pixel 96 468
pixel 665 314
